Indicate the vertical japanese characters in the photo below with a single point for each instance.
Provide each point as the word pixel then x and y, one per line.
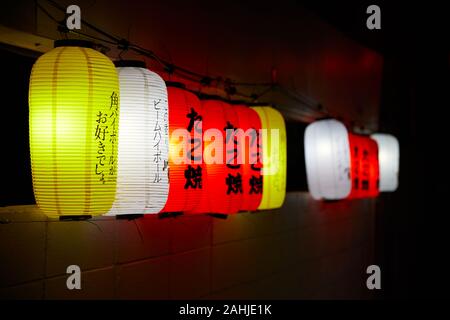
pixel 364 166
pixel 106 130
pixel 185 158
pixel 222 184
pixel 249 146
pixel 193 173
pixel 142 182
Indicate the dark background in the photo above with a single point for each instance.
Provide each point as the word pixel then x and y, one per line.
pixel 412 224
pixel 16 187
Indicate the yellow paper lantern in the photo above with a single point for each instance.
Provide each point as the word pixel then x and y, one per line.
pixel 273 137
pixel 74 116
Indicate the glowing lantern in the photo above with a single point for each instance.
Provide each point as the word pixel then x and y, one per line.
pixel 250 149
pixel 273 157
pixel 364 166
pixel 222 185
pixel 389 159
pixel 142 175
pixel 327 159
pixel 74 117
pixel 185 158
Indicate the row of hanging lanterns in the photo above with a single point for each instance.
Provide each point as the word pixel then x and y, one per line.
pixel 99 142
pixel 186 178
pixel 344 165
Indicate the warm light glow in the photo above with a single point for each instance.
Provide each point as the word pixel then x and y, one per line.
pixel 74 118
pixel 389 159
pixel 142 181
pixel 327 158
pixel 273 157
pixel 249 152
pixel 364 166
pixel 222 185
pixel 185 161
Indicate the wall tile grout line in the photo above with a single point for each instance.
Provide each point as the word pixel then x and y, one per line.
pixel 115 266
pixel 211 255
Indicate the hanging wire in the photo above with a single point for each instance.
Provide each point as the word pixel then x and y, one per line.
pixel 184 73
pixel 86 23
pixel 47 13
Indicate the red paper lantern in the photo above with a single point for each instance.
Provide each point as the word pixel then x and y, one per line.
pixel 222 185
pixel 252 180
pixel 364 167
pixel 185 150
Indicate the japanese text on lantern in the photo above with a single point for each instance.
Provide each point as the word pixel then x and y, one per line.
pixel 192 174
pixel 160 132
pixel 157 136
pixel 361 169
pixel 166 134
pixel 256 181
pixel 234 182
pixel 105 130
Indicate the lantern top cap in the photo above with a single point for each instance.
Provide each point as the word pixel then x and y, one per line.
pixel 130 63
pixel 73 43
pixel 359 135
pixel 175 84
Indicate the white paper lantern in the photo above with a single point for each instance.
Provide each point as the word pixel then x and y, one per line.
pixel 142 174
pixel 327 158
pixel 389 159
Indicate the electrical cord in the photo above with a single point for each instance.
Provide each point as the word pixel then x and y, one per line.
pixel 229 85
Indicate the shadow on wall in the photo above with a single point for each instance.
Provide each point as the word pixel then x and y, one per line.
pixel 296 167
pixel 16 186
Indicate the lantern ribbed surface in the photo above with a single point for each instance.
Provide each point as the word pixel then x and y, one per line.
pixel 233 169
pixel 252 180
pixel 221 191
pixel 273 158
pixel 364 166
pixel 142 182
pixel 185 159
pixel 74 118
pixel 327 159
pixel 389 160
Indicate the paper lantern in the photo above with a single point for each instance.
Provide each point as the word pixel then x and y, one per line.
pixel 327 159
pixel 273 157
pixel 249 147
pixel 364 166
pixel 185 158
pixel 142 174
pixel 222 188
pixel 74 117
pixel 389 160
